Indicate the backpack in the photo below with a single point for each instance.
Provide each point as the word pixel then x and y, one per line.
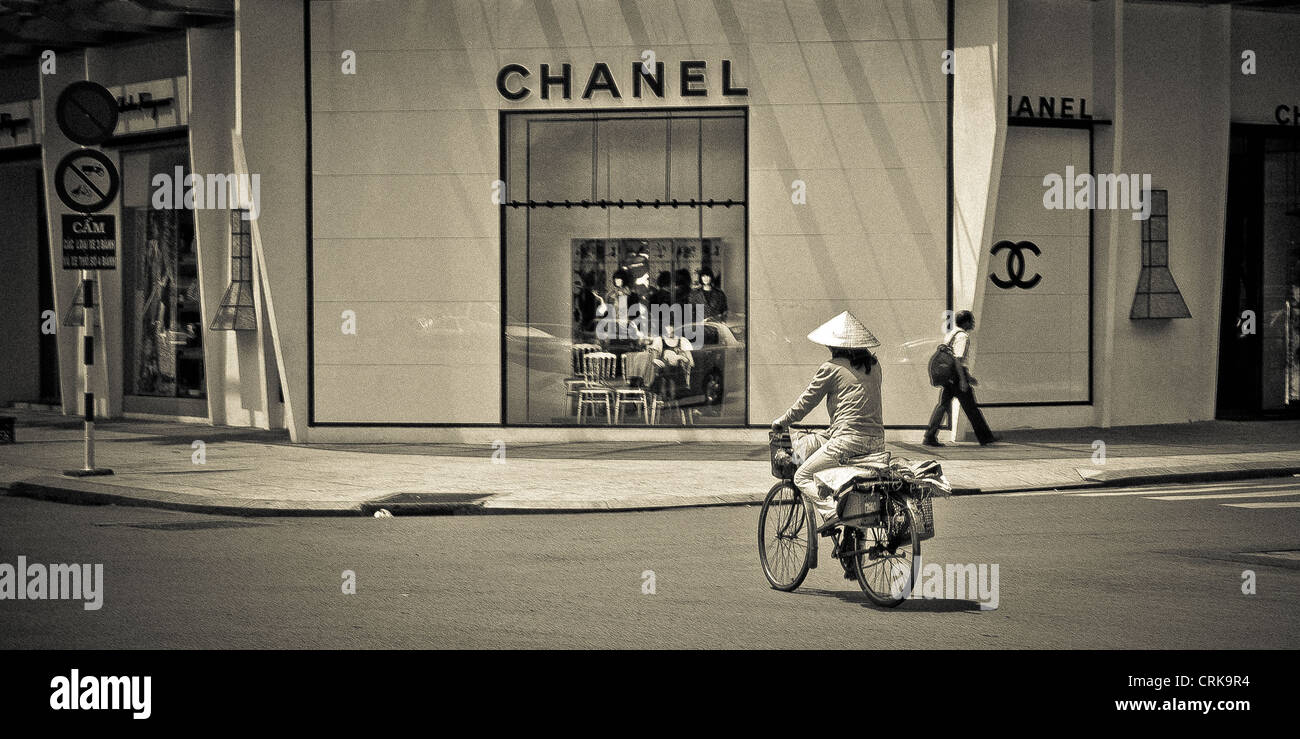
pixel 943 365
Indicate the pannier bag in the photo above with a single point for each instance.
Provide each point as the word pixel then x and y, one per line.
pixel 860 506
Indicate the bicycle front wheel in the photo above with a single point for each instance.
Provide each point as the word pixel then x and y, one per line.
pixel 891 553
pixel 785 536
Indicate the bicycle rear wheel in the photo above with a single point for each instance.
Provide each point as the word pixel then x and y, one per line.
pixel 786 528
pixel 886 568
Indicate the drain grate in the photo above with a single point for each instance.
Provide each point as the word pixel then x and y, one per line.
pixel 424 504
pixel 404 498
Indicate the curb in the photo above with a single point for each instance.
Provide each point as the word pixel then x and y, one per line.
pixel 76 492
pixel 1204 473
pixel 81 492
pixel 1207 473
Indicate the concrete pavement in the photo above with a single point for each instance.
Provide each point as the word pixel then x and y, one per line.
pixel 252 472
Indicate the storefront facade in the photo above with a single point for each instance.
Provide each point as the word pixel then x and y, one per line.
pixel 588 220
pixel 580 144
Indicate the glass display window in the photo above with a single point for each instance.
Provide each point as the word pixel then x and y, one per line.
pixel 642 215
pixel 162 322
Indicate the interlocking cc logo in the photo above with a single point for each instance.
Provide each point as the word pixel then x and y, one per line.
pixel 1015 265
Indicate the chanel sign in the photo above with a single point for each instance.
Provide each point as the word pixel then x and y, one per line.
pixel 646 80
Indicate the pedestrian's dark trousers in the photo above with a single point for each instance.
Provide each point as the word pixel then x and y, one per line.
pixel 968 406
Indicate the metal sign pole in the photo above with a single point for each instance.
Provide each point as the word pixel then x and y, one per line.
pixel 87 181
pixel 87 362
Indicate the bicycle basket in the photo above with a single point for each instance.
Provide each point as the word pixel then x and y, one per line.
pixel 781 453
pixel 925 521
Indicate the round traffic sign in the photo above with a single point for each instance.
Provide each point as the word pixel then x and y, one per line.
pixel 86 112
pixel 86 180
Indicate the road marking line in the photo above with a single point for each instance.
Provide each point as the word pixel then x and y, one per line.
pixel 1291 554
pixel 1142 490
pixel 1207 485
pixel 1277 494
pixel 1271 504
pixel 1173 489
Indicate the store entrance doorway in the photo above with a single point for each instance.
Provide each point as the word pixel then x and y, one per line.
pixel 1259 337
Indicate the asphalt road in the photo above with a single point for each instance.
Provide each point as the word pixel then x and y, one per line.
pixel 1124 569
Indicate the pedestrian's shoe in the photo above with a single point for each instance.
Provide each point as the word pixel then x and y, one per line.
pixel 928 441
pixel 991 440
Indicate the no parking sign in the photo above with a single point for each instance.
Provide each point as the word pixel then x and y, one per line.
pixel 86 181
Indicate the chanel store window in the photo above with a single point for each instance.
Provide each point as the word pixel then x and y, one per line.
pixel 624 245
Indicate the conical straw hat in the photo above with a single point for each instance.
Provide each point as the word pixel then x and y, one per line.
pixel 844 331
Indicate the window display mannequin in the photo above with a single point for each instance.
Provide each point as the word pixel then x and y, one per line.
pixel 619 298
pixel 681 285
pixel 662 296
pixel 585 304
pixel 671 355
pixel 711 297
pixel 616 329
pixel 637 268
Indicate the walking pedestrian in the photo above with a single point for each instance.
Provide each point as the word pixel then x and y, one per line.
pixel 959 387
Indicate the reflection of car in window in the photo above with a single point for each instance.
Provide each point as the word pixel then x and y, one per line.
pixel 719 361
pixel 539 347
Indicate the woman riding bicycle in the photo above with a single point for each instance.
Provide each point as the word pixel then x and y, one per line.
pixel 850 381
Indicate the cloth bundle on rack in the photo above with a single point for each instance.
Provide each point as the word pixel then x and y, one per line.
pixel 881 467
pixel 927 472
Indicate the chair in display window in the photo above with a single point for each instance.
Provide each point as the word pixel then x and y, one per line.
pixel 577 381
pixel 598 373
pixel 669 383
pixel 658 405
pixel 578 352
pixel 634 365
pixel 656 409
pixel 685 416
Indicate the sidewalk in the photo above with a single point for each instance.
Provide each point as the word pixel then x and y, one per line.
pixel 252 472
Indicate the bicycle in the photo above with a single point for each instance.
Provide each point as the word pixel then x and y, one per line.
pixel 878 539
